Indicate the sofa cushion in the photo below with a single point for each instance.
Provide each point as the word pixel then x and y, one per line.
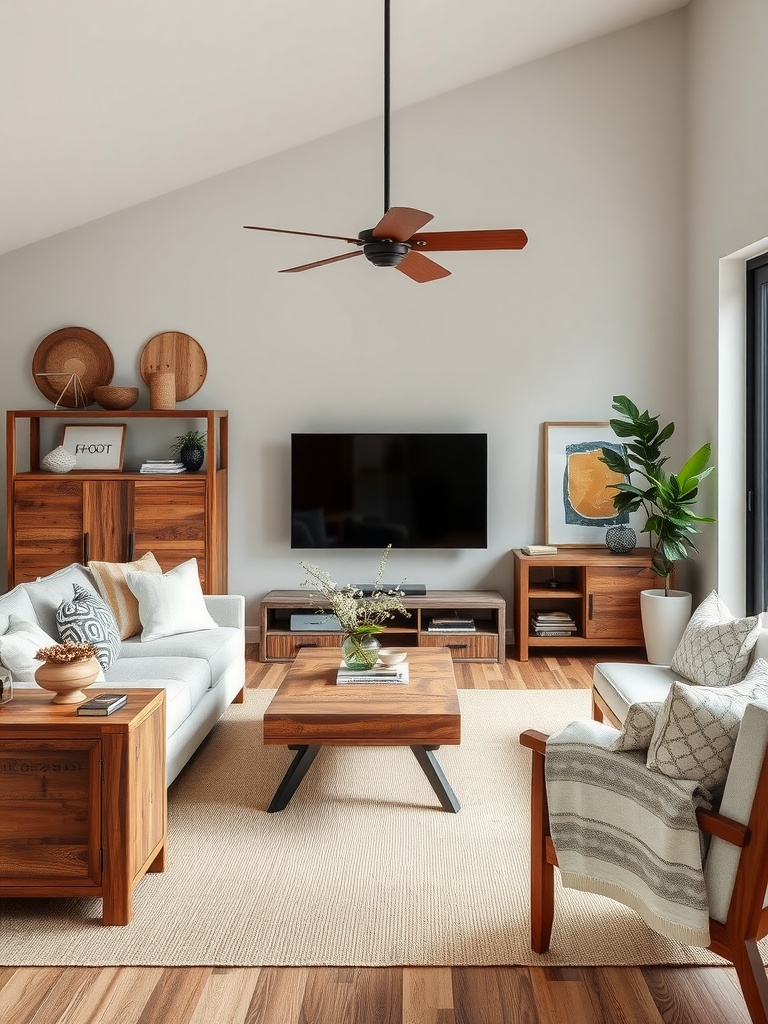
pixel 715 647
pixel 86 619
pixel 47 593
pixel 193 672
pixel 697 726
pixel 178 699
pixel 110 579
pixel 621 684
pixel 16 602
pixel 217 647
pixel 171 602
pixel 18 646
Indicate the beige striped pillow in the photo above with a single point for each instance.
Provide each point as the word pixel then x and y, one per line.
pixel 110 579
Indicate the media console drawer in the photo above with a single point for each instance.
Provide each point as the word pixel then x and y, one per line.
pixel 466 646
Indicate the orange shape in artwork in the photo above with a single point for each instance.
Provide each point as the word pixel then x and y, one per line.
pixel 589 481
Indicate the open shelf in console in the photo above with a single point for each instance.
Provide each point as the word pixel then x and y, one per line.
pixel 485 608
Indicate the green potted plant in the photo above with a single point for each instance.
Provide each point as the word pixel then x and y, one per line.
pixel 190 449
pixel 668 500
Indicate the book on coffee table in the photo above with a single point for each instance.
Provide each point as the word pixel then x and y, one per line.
pixel 378 676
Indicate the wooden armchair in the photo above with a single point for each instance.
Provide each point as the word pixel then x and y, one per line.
pixel 736 869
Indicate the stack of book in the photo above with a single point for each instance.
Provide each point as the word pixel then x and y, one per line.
pixel 451 624
pixel 553 624
pixel 162 466
pixel 376 676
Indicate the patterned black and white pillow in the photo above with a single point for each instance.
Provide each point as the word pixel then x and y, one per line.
pixel 715 647
pixel 637 731
pixel 87 619
pixel 697 726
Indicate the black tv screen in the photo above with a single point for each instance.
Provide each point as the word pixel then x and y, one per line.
pixel 370 490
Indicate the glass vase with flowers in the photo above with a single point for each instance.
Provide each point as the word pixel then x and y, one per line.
pixel 360 616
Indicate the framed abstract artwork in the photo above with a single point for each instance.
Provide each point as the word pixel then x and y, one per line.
pixel 578 497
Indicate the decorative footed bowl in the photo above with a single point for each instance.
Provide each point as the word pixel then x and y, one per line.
pixel 67 681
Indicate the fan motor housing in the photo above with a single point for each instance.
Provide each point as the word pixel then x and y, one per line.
pixel 383 252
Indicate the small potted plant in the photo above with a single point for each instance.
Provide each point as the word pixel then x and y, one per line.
pixel 66 670
pixel 360 617
pixel 190 449
pixel 668 500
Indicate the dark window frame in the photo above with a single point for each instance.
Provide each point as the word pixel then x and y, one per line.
pixel 757 435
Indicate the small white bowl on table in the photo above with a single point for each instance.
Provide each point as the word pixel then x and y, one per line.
pixel 390 656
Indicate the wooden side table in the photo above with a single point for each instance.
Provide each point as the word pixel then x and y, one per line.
pixel 83 803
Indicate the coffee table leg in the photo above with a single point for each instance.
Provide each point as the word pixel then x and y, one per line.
pixel 300 765
pixel 437 780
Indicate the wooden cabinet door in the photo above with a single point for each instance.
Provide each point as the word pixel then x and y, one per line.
pixel 613 602
pixel 50 812
pixel 106 520
pixel 169 519
pixel 47 527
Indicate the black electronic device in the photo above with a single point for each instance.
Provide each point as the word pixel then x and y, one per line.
pixel 407 490
pixel 408 589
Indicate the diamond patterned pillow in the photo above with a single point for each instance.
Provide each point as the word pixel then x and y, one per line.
pixel 87 619
pixel 637 731
pixel 696 729
pixel 715 647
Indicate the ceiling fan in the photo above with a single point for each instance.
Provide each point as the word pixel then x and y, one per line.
pixel 397 240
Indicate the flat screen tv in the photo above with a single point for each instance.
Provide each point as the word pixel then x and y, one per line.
pixel 408 490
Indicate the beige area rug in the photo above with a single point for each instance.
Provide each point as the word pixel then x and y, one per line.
pixel 362 868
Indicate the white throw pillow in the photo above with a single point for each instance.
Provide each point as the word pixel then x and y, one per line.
pixel 697 726
pixel 715 647
pixel 170 602
pixel 18 646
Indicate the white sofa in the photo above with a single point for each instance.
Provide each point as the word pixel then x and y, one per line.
pixel 202 672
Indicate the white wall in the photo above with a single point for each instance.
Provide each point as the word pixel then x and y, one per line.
pixel 586 150
pixel 728 213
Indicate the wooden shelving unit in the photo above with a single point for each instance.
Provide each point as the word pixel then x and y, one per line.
pixel 600 590
pixel 278 642
pixel 55 519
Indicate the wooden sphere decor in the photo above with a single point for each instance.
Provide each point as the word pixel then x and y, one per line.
pixel 69 354
pixel 179 354
pixel 67 679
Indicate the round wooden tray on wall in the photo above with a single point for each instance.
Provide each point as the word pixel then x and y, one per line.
pixel 69 364
pixel 180 354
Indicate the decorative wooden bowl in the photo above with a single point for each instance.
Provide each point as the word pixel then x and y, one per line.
pixel 109 397
pixel 68 679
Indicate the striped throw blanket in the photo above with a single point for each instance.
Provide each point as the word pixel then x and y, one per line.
pixel 623 831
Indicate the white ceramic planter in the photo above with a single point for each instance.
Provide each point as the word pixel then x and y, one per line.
pixel 664 620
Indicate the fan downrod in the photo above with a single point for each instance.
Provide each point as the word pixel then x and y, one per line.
pixel 382 252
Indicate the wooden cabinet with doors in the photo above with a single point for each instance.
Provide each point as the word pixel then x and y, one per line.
pixel 599 590
pixel 54 520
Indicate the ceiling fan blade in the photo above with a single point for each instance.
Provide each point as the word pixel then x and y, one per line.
pixel 421 269
pixel 322 263
pixel 310 234
pixel 463 241
pixel 399 223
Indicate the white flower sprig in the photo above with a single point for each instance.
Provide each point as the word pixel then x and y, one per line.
pixel 355 612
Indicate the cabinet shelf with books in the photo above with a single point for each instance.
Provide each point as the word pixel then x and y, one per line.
pixel 598 591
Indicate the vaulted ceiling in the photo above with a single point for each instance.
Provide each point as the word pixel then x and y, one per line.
pixel 107 104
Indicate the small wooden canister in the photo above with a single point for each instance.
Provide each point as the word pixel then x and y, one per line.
pixel 162 390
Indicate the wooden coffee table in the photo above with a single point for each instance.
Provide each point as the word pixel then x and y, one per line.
pixel 310 711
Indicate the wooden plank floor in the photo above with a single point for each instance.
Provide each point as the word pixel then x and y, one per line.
pixel 411 995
